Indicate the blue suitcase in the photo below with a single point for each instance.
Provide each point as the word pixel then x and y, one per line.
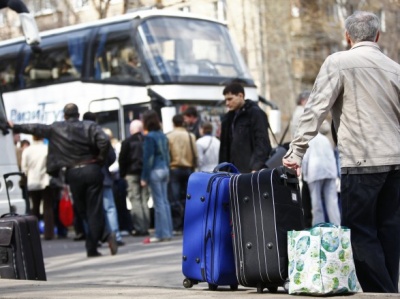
pixel 207 234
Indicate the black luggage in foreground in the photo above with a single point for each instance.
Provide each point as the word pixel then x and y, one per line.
pixel 21 254
pixel 264 206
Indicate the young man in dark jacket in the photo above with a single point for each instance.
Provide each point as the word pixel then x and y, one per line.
pixel 244 132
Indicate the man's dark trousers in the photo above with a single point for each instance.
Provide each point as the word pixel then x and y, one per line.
pixel 86 185
pixel 177 194
pixel 371 209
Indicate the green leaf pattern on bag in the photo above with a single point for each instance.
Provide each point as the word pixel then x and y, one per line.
pixel 321 261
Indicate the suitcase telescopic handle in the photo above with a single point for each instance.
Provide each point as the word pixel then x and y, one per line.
pixel 5 176
pixel 231 168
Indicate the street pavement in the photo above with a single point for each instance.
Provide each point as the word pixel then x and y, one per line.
pixel 138 270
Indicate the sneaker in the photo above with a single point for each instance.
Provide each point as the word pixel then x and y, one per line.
pixel 152 240
pixel 112 243
pixel 120 243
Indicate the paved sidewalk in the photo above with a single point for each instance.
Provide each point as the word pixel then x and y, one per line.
pixel 137 271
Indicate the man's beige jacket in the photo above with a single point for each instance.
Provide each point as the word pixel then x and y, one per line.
pixel 361 87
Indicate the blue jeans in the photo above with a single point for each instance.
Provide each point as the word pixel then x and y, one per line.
pixel 324 191
pixel 371 209
pixel 162 210
pixel 111 212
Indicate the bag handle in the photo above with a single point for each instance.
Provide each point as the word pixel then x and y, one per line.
pixel 5 176
pixel 231 168
pixel 328 224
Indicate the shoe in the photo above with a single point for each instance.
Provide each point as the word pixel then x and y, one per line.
pixel 112 243
pixel 120 243
pixel 177 233
pixel 95 254
pixel 151 240
pixel 80 237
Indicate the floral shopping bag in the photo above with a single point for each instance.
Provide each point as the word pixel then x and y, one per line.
pixel 321 261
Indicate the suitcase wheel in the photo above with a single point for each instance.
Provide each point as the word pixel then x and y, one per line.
pixel 212 287
pixel 234 287
pixel 187 283
pixel 260 290
pixel 272 289
pixel 286 286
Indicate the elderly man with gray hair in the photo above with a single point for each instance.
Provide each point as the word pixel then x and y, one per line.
pixel 130 168
pixel 361 88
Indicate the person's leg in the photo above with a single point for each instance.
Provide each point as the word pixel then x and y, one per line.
pixel 360 196
pixel 95 215
pixel 174 198
pixel 36 197
pixel 111 212
pixel 48 215
pixel 331 200
pixel 144 197
pixel 158 186
pixel 388 220
pixel 135 197
pixel 316 202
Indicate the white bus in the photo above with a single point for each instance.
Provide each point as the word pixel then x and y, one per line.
pixel 121 66
pixel 8 158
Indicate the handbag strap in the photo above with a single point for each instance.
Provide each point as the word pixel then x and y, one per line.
pixel 191 147
pixel 209 144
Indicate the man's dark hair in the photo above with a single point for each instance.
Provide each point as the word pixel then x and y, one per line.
pixel 151 121
pixel 71 110
pixel 190 111
pixel 24 142
pixel 90 116
pixel 233 88
pixel 177 120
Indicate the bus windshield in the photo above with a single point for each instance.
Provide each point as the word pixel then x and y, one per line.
pixel 198 51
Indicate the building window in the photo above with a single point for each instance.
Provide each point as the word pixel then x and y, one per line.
pixel 42 7
pixel 2 19
pixel 383 21
pixel 295 9
pixel 81 3
pixel 219 10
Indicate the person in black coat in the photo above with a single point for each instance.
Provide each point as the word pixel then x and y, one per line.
pixel 244 132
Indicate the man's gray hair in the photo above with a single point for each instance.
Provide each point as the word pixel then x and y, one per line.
pixel 362 26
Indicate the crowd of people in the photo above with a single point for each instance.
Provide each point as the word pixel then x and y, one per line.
pixel 357 89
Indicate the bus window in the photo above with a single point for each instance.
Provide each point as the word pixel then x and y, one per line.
pixel 116 58
pixel 132 112
pixel 178 50
pixel 61 59
pixel 8 65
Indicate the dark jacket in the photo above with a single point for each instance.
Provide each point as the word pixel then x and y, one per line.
pixel 130 158
pixel 244 138
pixel 71 142
pixel 111 157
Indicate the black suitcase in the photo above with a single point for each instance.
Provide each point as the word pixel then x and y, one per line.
pixel 21 254
pixel 264 206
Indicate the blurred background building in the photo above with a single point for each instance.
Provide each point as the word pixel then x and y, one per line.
pixel 283 42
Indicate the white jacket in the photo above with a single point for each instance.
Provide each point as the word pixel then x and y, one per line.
pixel 319 161
pixel 33 163
pixel 208 152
